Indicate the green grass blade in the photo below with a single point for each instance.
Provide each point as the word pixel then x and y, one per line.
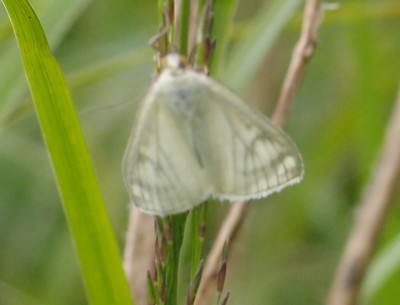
pixel 251 51
pixel 83 203
pixel 197 228
pixel 184 27
pixel 224 10
pixel 177 223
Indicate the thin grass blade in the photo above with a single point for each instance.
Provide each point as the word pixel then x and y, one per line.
pixel 83 202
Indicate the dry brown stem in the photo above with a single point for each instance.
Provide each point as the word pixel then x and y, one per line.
pixel 232 223
pixel 302 53
pixel 374 209
pixel 139 253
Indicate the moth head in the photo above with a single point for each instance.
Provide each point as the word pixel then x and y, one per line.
pixel 174 62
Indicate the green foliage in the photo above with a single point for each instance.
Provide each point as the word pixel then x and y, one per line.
pixel 291 242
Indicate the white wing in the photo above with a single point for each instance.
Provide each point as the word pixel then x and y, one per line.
pixel 161 170
pixel 244 154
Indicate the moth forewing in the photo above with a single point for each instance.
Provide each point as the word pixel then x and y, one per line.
pixel 161 169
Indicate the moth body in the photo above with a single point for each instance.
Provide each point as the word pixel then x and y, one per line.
pixel 194 139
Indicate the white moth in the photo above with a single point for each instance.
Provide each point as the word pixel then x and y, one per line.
pixel 195 139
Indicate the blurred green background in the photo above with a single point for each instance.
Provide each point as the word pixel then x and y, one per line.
pixel 291 242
